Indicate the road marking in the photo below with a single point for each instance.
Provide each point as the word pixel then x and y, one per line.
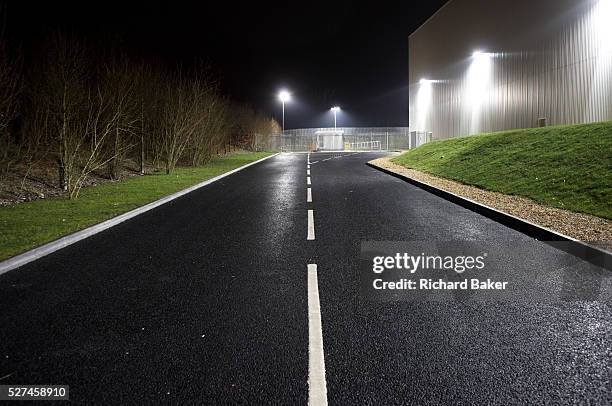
pixel 308 166
pixel 317 387
pixel 309 196
pixel 326 159
pixel 311 233
pixel 308 172
pixel 308 180
pixel 312 163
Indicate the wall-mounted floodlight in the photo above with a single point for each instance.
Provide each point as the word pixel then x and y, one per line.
pixel 284 97
pixel 335 110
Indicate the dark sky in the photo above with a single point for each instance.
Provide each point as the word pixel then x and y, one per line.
pixel 354 54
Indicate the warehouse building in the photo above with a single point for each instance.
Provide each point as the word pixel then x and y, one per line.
pixel 488 65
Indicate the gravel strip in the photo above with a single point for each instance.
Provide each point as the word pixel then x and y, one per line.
pixel 583 227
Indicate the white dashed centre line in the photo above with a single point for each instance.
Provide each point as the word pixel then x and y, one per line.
pixel 308 172
pixel 317 387
pixel 311 230
pixel 309 196
pixel 308 180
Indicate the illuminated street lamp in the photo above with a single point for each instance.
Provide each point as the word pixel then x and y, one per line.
pixel 335 110
pixel 284 96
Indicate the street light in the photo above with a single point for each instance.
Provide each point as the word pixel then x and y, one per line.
pixel 335 110
pixel 284 96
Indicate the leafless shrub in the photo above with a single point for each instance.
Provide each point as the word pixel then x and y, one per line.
pixel 10 89
pixel 64 94
pixel 182 116
pixel 150 90
pixel 252 128
pixel 35 137
pixel 94 112
pixel 213 129
pixel 117 83
pixel 87 119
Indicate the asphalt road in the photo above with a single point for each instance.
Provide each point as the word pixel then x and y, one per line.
pixel 206 300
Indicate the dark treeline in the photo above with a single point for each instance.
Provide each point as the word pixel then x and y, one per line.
pixel 90 110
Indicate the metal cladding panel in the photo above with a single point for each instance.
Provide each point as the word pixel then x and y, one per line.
pixel 539 59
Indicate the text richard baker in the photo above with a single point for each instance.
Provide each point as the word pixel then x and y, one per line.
pixel 440 284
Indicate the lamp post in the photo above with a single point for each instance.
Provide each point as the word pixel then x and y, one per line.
pixel 284 96
pixel 335 110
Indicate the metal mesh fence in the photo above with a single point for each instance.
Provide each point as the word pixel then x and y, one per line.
pixel 343 139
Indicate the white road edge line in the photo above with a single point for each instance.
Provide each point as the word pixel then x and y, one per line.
pixel 311 231
pixel 317 387
pixel 309 196
pixel 308 180
pixel 46 249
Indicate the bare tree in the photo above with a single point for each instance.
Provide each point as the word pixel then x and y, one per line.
pixel 35 136
pixel 84 115
pixel 265 127
pixel 10 88
pixel 97 129
pixel 117 81
pixel 181 116
pixel 213 129
pixel 150 94
pixel 65 95
pixel 251 128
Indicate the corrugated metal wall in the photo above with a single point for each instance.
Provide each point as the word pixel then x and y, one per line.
pixel 541 59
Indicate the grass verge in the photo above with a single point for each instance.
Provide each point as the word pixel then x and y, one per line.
pixel 27 225
pixel 568 167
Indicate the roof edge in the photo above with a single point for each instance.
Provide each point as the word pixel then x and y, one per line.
pixel 432 16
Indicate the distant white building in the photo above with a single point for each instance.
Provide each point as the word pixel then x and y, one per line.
pixel 489 65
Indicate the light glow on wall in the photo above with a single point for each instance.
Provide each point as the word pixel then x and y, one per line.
pixel 477 86
pixel 603 25
pixel 600 92
pixel 424 97
pixel 479 76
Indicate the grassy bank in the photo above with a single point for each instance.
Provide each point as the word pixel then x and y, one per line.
pixel 568 167
pixel 27 225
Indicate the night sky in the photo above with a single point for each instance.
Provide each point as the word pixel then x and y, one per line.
pixel 351 54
